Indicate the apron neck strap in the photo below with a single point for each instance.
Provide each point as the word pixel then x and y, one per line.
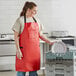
pixel 25 19
pixel 34 19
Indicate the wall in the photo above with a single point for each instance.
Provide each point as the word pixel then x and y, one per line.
pixel 53 14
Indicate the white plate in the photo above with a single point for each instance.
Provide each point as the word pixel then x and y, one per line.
pixel 58 47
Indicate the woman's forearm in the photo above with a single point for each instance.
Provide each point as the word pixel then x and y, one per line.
pixel 16 37
pixel 44 38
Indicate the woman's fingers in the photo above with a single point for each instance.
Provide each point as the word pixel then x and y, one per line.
pixel 19 54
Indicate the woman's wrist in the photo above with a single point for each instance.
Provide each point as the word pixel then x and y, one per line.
pixel 18 50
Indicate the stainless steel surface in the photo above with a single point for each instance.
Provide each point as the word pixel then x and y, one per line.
pixel 7 63
pixel 59 33
pixel 7 54
pixel 7 48
pixel 6 36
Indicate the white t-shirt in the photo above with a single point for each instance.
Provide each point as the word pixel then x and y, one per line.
pixel 19 24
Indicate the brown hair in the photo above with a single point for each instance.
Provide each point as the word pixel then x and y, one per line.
pixel 27 5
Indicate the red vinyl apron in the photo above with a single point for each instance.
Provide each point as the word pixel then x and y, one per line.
pixel 29 45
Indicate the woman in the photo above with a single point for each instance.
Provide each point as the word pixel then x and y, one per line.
pixel 27 31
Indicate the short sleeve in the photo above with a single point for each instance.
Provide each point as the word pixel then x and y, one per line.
pixel 41 28
pixel 16 27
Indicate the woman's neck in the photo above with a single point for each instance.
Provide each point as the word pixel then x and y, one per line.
pixel 28 16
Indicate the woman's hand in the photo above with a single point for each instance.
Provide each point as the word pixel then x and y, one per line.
pixel 19 54
pixel 51 43
pixel 54 41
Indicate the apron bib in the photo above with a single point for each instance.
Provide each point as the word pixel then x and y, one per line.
pixel 29 45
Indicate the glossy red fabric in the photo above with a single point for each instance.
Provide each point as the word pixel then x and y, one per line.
pixel 29 45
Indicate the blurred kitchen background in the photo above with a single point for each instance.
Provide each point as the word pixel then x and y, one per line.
pixel 59 21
